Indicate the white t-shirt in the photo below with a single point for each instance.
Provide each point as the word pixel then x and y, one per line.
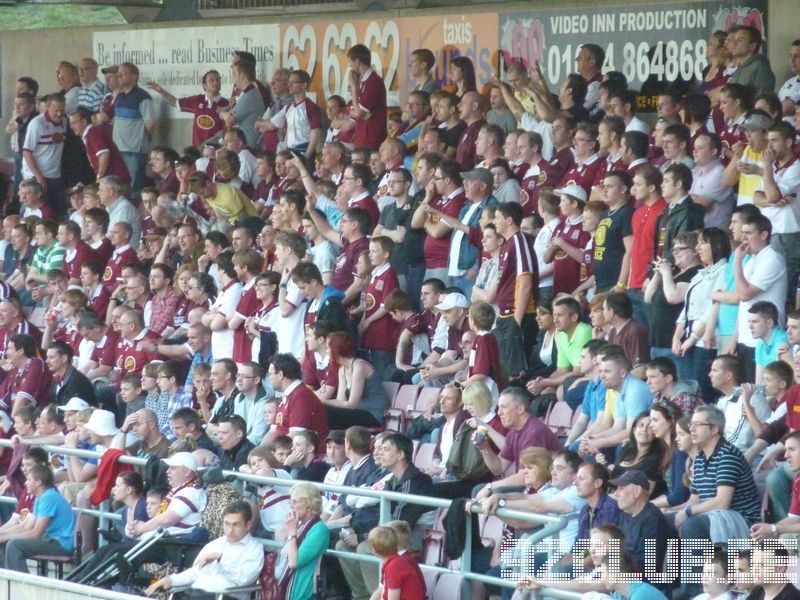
pixel 637 124
pixel 767 271
pixel 290 329
pixel 540 245
pixel 785 219
pixel 226 302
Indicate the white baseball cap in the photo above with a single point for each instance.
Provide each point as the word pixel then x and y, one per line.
pixel 454 300
pixel 75 404
pixel 573 190
pixel 182 459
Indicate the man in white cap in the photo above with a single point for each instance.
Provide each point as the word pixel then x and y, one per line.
pixel 183 505
pixel 445 359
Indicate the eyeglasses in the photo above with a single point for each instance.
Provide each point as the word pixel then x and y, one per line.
pixel 163 377
pixel 240 376
pixel 679 249
pixel 696 424
pixel 437 178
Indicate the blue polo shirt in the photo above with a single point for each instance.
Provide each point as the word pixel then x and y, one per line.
pixel 62 520
pixel 634 398
pixel 594 399
pixel 768 352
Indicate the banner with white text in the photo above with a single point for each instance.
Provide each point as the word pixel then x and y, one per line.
pixel 178 58
pixel 655 46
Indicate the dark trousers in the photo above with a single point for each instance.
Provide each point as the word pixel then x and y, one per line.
pixel 342 418
pixel 748 358
pixel 515 342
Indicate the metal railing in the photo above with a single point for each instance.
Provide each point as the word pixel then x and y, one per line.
pixel 549 525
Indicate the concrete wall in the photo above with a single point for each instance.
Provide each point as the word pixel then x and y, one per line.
pixel 36 53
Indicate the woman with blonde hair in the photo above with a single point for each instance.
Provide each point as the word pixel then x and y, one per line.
pixel 307 540
pixel 464 464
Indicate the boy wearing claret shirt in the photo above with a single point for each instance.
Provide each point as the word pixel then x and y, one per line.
pixel 378 330
pixel 400 577
pixel 484 359
pixel 566 246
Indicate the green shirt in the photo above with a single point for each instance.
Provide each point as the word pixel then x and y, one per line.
pixel 569 349
pixel 49 258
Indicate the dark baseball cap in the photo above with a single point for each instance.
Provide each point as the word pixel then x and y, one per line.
pixel 633 476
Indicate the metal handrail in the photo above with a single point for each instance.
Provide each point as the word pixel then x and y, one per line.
pixel 551 525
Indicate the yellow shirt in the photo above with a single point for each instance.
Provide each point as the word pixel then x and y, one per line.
pixel 748 183
pixel 231 204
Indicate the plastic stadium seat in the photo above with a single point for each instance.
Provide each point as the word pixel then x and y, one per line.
pixel 426 396
pixel 424 458
pixel 448 587
pixel 559 419
pixel 403 401
pixel 492 528
pixel 390 388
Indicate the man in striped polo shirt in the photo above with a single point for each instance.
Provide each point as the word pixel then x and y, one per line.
pixel 722 480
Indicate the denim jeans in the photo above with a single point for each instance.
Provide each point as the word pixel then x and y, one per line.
pixel 136 163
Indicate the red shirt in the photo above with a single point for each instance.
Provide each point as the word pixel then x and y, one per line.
pixel 643 224
pixel 536 177
pixel 75 259
pixel 517 257
pixel 103 250
pixel 112 276
pixel 562 161
pixel 607 166
pixel 23 327
pixel 301 408
pixel 370 132
pixel 382 334
pixel 437 250
pixel 466 155
pixel 98 141
pixel 277 189
pixel 792 399
pixel 99 300
pixel 367 202
pixel 731 134
pixel 484 359
pixel 345 270
pixel 247 307
pixel 566 272
pixel 33 382
pixel 104 352
pixel 583 173
pixel 131 356
pixel 401 572
pixel 207 122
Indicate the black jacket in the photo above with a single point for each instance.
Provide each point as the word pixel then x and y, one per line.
pixel 76 385
pixel 686 216
pixel 231 460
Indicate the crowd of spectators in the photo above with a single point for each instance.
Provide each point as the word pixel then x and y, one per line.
pixel 249 300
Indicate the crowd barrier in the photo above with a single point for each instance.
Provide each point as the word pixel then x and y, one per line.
pixel 22 586
pixel 549 525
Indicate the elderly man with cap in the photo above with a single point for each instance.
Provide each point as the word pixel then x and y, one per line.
pixel 184 504
pixel 465 242
pixel 445 359
pixel 639 519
